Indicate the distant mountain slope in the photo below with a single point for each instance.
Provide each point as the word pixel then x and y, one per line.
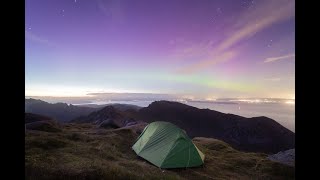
pixel 59 111
pixel 258 134
pixel 122 107
pixel 109 115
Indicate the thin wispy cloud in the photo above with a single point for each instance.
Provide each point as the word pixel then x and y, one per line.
pixel 251 22
pixel 248 24
pixel 273 59
pixel 35 38
pixel 273 79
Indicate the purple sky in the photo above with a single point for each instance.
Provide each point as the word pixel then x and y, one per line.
pixel 194 48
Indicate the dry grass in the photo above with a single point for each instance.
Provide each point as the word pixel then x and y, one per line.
pixel 81 151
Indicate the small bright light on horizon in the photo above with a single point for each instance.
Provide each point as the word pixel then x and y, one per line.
pixel 188 97
pixel 290 102
pixel 210 99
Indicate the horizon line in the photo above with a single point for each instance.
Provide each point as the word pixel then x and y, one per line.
pixel 192 99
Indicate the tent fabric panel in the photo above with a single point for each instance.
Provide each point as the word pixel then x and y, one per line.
pixel 200 153
pixel 184 154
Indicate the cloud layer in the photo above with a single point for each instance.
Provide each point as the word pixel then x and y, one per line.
pixel 273 59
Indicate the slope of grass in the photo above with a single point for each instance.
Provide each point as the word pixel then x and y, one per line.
pixel 81 151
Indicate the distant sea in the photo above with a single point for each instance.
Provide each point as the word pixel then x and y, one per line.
pixel 283 113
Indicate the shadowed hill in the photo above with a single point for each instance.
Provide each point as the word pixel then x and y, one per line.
pixel 258 134
pixel 30 118
pixel 40 123
pixel 121 107
pixel 109 116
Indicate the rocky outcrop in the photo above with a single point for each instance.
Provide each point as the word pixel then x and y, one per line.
pixel 285 157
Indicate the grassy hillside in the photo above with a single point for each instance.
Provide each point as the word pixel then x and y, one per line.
pixel 81 151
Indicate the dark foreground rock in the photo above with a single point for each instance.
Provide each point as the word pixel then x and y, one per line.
pixel 284 157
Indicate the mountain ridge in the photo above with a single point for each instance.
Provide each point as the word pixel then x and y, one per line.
pixel 256 134
pixel 62 112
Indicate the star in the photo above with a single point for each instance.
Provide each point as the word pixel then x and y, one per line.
pixel 29 28
pixel 219 10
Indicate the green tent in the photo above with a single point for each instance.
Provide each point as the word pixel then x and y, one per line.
pixel 167 146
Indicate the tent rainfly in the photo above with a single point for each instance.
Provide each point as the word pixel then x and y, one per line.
pixel 167 146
